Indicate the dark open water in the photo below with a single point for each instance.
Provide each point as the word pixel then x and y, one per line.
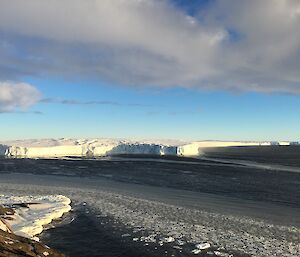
pixel 244 201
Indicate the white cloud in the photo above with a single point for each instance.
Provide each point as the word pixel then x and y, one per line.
pixel 16 96
pixel 232 45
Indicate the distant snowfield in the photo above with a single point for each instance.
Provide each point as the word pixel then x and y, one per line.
pixel 105 147
pixel 39 211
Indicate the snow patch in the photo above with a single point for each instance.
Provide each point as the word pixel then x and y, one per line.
pixel 33 212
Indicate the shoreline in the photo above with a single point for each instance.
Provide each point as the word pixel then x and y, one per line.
pixel 26 215
pixel 14 242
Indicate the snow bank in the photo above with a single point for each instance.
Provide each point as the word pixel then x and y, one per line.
pixel 103 147
pixel 28 221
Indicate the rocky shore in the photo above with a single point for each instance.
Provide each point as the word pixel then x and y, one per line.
pixel 12 245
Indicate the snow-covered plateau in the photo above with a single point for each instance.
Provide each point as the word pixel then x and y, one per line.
pixel 105 147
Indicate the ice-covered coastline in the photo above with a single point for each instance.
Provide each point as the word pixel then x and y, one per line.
pixel 29 214
pixel 106 147
pixel 22 218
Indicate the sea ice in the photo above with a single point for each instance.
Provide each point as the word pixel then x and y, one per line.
pixel 203 246
pixel 196 251
pixel 244 234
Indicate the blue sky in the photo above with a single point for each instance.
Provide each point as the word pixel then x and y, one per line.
pixel 221 80
pixel 188 114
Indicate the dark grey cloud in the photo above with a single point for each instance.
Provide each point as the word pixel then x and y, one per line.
pixel 230 45
pixel 22 112
pixel 77 102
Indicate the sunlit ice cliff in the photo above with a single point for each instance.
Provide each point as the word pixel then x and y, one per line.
pixel 108 147
pixel 85 147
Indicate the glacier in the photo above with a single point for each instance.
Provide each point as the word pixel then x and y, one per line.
pixel 63 147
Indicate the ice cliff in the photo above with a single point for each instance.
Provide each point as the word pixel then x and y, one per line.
pixel 196 148
pixel 105 147
pixel 3 149
pixel 95 147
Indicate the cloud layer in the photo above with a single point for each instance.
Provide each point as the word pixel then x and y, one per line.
pixel 16 97
pixel 77 102
pixel 227 45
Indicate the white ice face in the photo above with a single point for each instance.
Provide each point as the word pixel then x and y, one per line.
pixel 103 147
pixel 86 147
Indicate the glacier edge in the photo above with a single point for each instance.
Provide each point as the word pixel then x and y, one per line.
pixel 108 147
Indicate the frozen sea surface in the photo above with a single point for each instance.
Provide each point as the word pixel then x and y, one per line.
pixel 134 208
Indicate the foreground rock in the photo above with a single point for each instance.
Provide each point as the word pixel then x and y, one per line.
pixel 16 246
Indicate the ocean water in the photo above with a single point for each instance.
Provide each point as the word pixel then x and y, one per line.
pixel 242 201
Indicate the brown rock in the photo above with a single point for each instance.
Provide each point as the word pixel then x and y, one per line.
pixel 6 211
pixel 12 245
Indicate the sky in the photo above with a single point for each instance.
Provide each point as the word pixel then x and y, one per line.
pixel 177 69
